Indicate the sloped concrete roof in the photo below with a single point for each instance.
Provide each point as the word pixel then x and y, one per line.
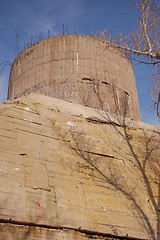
pixel 75 172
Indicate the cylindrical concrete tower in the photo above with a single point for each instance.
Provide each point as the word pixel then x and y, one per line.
pixel 80 69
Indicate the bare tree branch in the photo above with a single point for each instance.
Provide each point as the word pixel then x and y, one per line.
pixel 142 45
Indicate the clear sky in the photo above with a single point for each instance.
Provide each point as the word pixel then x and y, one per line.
pixel 35 17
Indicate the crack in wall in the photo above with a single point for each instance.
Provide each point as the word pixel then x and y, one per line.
pixel 42 135
pixel 43 189
pixel 23 119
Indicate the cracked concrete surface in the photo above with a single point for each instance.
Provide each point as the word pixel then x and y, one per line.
pixel 75 176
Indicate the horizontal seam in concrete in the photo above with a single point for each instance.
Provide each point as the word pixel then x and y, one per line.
pixel 96 120
pixel 22 119
pixel 85 231
pixel 42 135
pixel 95 153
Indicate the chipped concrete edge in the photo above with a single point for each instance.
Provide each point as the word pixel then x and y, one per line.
pixel 90 114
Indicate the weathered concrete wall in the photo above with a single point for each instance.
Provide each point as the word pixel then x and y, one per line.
pixel 80 69
pixel 68 171
pixel 23 231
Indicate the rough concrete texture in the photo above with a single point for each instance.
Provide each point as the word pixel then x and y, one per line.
pixel 80 69
pixel 10 231
pixel 71 172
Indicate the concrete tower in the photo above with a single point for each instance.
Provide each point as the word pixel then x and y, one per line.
pixel 79 69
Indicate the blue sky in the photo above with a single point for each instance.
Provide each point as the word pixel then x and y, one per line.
pixel 32 17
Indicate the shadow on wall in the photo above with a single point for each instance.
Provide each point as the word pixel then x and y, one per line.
pixel 104 93
pixel 128 165
pixel 143 161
